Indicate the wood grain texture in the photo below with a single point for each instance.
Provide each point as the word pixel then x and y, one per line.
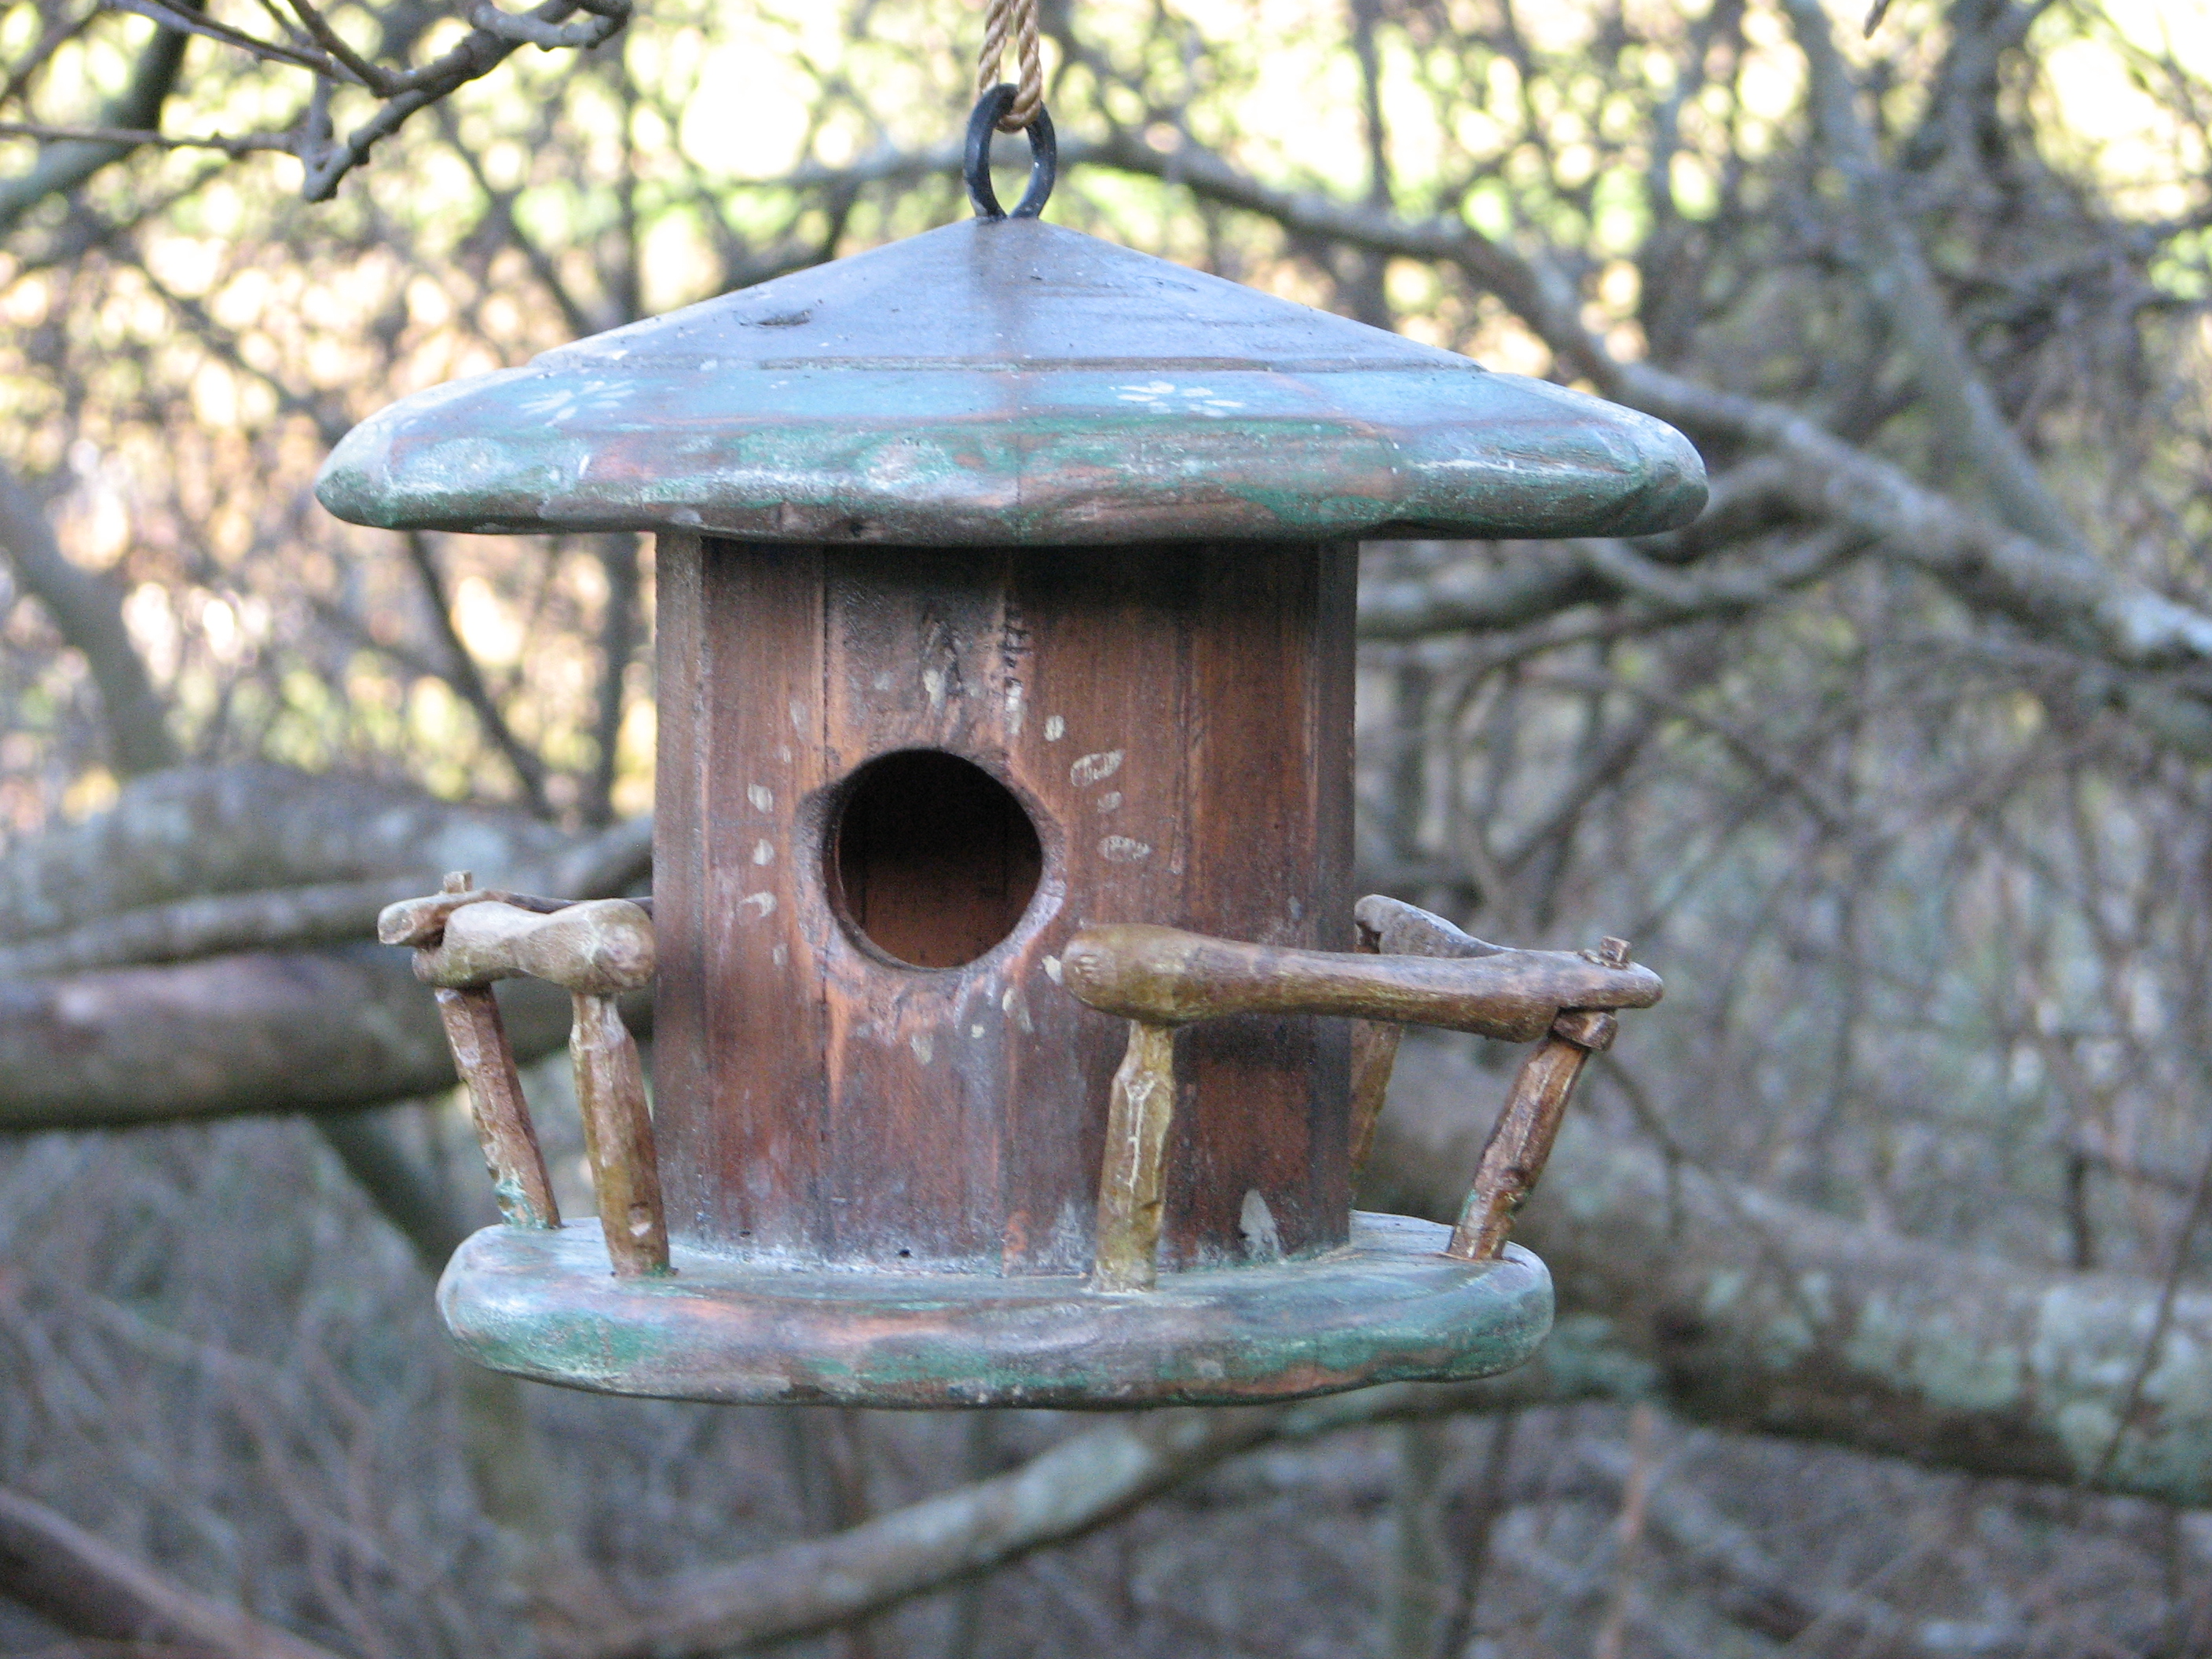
pixel 1519 1144
pixel 1389 1305
pixel 1159 713
pixel 423 921
pixel 596 948
pixel 1389 927
pixel 618 1137
pixel 1172 977
pixel 486 1063
pixel 1132 1187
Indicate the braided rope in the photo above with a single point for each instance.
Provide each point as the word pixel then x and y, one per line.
pixel 1020 19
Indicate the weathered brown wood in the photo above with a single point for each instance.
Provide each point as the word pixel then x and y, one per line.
pixel 594 949
pixel 1521 1142
pixel 423 921
pixel 1389 927
pixel 1399 929
pixel 1173 978
pixel 1374 1055
pixel 1132 1187
pixel 1158 715
pixel 504 1131
pixel 618 1137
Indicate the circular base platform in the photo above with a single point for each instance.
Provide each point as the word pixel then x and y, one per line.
pixel 1388 1306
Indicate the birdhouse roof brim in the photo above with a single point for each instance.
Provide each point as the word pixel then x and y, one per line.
pixel 1010 383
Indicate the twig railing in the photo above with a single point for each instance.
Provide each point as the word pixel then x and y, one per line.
pixel 1415 970
pixel 465 939
pixel 1412 968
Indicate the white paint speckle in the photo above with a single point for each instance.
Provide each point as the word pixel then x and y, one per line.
pixel 762 797
pixel 1263 1241
pixel 1052 969
pixel 932 680
pixel 760 904
pixel 1121 849
pixel 925 1049
pixel 1055 728
pixel 1014 709
pixel 781 955
pixel 1094 769
pixel 1109 800
pixel 975 1030
pixel 763 852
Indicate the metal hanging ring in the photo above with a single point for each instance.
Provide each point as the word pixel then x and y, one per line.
pixel 975 167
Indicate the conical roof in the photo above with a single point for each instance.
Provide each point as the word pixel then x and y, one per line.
pixel 1011 382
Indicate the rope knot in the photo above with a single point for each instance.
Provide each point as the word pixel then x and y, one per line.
pixel 1017 18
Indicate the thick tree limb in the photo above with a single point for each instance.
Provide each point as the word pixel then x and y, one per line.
pixel 267 1032
pixel 294 918
pixel 258 1029
pixel 194 832
pixel 90 1589
pixel 87 614
pixel 286 917
pixel 1754 1313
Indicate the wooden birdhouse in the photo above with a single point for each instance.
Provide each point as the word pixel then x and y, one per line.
pixel 1014 1035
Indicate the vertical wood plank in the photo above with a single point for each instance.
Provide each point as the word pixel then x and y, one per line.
pixel 1176 721
pixel 1258 1165
pixel 741 1068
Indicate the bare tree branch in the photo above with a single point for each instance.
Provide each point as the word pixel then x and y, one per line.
pixel 461 674
pixel 2049 591
pixel 89 615
pixel 126 136
pixel 284 918
pixel 1898 277
pixel 63 167
pixel 90 1589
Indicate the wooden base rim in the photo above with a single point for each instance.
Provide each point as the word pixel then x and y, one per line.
pixel 1388 1306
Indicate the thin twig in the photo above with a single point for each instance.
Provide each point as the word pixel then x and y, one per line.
pixel 52 133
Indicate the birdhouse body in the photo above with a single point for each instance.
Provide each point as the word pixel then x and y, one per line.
pixel 892 783
pixel 1007 588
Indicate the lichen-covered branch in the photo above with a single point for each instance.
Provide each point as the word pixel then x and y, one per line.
pixel 1734 1308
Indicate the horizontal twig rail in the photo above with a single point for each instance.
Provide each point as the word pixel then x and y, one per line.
pixel 1413 969
pixel 467 938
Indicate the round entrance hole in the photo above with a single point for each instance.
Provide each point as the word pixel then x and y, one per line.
pixel 932 859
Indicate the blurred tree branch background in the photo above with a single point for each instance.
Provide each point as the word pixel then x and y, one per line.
pixel 1882 1245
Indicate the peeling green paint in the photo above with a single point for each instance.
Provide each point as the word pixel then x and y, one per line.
pixel 1011 384
pixel 1388 1307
